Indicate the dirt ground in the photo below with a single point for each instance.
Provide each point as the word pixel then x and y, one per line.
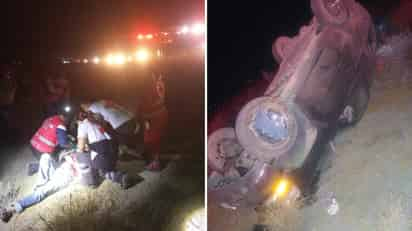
pixel 157 201
pixel 369 174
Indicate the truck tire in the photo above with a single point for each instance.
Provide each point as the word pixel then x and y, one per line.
pixel 253 141
pixel 216 155
pixel 331 12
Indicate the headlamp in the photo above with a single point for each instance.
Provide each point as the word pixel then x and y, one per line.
pixel 67 109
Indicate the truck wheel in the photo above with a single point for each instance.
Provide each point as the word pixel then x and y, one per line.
pixel 222 145
pixel 266 128
pixel 356 107
pixel 334 12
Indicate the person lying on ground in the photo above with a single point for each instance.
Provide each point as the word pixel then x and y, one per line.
pixel 66 173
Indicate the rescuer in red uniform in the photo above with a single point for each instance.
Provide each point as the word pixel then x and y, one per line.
pixel 51 135
pixel 154 117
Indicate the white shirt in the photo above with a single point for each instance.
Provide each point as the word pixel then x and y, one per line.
pixel 91 131
pixel 115 114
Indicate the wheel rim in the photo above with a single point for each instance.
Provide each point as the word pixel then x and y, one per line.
pixel 270 125
pixel 266 129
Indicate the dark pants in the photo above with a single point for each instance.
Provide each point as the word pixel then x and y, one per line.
pixel 126 134
pixel 107 155
pixel 35 153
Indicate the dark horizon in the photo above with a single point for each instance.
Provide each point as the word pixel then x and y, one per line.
pixel 53 28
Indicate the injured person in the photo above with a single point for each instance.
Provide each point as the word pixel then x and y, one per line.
pixel 68 171
pixel 75 166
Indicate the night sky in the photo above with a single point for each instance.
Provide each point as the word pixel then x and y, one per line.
pixel 33 28
pixel 240 36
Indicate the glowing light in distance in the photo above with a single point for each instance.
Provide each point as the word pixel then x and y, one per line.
pixel 142 55
pixel 184 30
pixel 140 37
pixel 149 36
pixel 198 29
pixel 96 60
pixel 110 59
pixel 119 59
pixel 85 61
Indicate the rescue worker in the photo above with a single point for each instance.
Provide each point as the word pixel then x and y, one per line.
pixel 66 173
pixel 49 138
pixel 92 137
pixel 57 90
pixel 154 117
pixel 120 119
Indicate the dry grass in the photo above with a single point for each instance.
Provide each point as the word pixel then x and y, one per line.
pixel 83 211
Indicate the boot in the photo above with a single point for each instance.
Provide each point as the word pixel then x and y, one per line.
pixel 125 182
pixel 120 178
pixel 6 214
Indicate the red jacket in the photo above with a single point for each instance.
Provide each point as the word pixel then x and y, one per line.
pixel 153 99
pixel 45 139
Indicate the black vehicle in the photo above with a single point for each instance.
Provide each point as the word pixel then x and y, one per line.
pixel 323 82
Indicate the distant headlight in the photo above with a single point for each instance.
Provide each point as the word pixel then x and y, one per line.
pixel 110 59
pixel 142 55
pixel 198 29
pixel 96 60
pixel 117 59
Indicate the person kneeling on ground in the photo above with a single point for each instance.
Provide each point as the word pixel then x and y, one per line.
pixel 67 172
pixel 122 121
pixel 48 138
pixel 103 151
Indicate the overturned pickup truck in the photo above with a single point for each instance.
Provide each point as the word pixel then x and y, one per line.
pixel 322 83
